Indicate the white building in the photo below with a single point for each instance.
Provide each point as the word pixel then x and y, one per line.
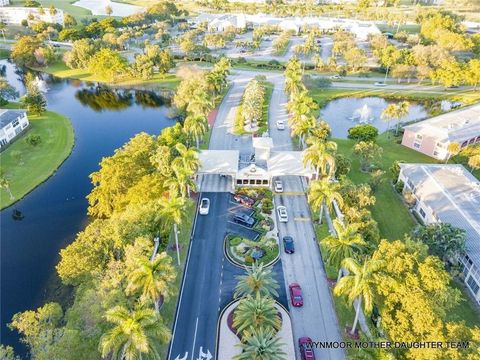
pixel 4 2
pixel 449 194
pixel 12 124
pixel 15 15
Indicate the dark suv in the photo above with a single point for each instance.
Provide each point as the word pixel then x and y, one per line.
pixel 244 219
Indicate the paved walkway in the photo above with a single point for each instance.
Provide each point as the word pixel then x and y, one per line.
pixel 228 341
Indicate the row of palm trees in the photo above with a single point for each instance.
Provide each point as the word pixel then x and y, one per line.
pixel 252 102
pixel 256 319
pixel 136 333
pixel 344 247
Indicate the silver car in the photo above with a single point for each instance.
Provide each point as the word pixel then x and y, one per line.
pixel 204 206
pixel 282 214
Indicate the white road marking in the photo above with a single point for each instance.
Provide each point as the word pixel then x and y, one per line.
pixel 194 339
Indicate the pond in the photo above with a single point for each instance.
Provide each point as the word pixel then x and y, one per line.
pixel 51 215
pixel 342 114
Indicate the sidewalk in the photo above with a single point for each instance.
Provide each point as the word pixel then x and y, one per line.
pixel 227 345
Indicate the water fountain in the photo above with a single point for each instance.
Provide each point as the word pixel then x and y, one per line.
pixel 362 115
pixel 41 84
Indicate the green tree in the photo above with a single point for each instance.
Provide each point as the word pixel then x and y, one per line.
pixel 368 154
pixel 136 334
pixel 108 10
pixel 108 64
pixel 346 243
pixel 324 192
pixel 453 149
pixel 256 312
pixel 196 126
pixel 35 102
pixel 260 343
pixel 293 77
pixel 395 112
pixel 257 280
pixel 7 92
pixel 23 50
pixel 359 285
pixel 6 353
pixel 365 132
pixel 321 156
pixel 474 162
pixel 173 211
pixel 153 278
pixel 473 72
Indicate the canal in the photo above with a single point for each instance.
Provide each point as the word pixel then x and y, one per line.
pixel 34 229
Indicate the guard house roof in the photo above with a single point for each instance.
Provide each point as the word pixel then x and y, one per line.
pixel 453 194
pixel 288 163
pixel 8 116
pixel 262 142
pixel 218 161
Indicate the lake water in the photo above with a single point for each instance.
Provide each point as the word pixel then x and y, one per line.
pixel 342 114
pixel 54 212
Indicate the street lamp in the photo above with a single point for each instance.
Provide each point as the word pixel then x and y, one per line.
pixel 176 232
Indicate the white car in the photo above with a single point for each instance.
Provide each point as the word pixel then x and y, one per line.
pixel 280 125
pixel 278 186
pixel 204 206
pixel 380 83
pixel 282 214
pixel 335 77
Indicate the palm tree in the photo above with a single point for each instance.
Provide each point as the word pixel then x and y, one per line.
pixel 136 334
pixel 173 210
pixel 293 76
pixel 359 284
pixel 320 155
pixel 395 112
pixel 474 162
pixel 5 184
pixel 196 126
pixel 256 312
pixel 345 244
pixel 181 182
pixel 452 149
pixel 260 344
pixel 258 280
pixel 153 278
pixel 200 103
pixel 324 192
pixel 187 158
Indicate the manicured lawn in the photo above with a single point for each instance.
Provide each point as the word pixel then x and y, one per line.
pixel 392 216
pixel 65 5
pixel 168 309
pixel 466 310
pixel 59 69
pixel 4 54
pixel 26 166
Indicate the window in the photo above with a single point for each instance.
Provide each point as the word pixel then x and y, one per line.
pixel 422 212
pixel 259 182
pixel 15 123
pixel 472 284
pixel 416 145
pixel 239 182
pixel 419 137
pixel 265 182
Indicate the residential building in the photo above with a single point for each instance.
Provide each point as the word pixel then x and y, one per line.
pixel 449 194
pixel 4 2
pixel 15 15
pixel 433 136
pixel 12 124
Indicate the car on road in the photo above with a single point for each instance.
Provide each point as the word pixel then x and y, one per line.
pixel 278 186
pixel 282 213
pixel 306 351
pixel 204 206
pixel 335 77
pixel 244 200
pixel 288 244
pixel 280 125
pixel 296 295
pixel 379 83
pixel 244 219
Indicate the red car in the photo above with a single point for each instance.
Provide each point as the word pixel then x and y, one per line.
pixel 296 295
pixel 306 351
pixel 244 200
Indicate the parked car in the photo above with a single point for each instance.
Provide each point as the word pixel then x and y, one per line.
pixel 278 186
pixel 282 214
pixel 380 83
pixel 244 220
pixel 204 206
pixel 244 200
pixel 288 244
pixel 296 295
pixel 306 351
pixel 280 125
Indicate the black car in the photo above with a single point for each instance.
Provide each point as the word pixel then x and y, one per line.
pixel 244 219
pixel 288 245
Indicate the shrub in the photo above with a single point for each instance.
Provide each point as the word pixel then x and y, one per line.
pixel 363 133
pixel 248 260
pixel 399 186
pixel 33 140
pixel 235 241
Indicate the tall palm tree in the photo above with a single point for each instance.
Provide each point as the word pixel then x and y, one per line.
pixel 256 312
pixel 347 243
pixel 320 155
pixel 293 76
pixel 153 278
pixel 187 158
pixel 260 344
pixel 303 127
pixel 324 192
pixel 181 182
pixel 258 280
pixel 196 126
pixel 452 149
pixel 136 334
pixel 359 284
pixel 173 210
pixel 200 103
pixel 395 112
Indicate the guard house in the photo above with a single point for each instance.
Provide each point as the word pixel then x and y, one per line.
pixel 222 170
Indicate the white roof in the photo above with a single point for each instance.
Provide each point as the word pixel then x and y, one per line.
pixel 262 142
pixel 288 163
pixel 218 161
